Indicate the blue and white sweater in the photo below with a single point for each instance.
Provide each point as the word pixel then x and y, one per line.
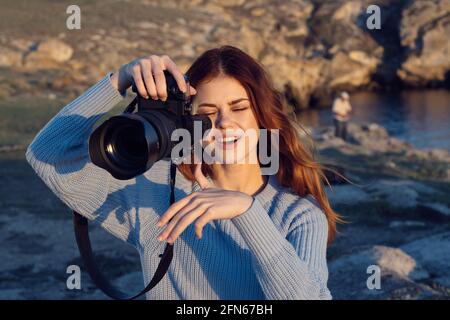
pixel 274 250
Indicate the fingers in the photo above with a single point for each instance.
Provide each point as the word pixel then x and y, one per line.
pixel 202 181
pixel 192 90
pixel 160 80
pixel 138 81
pixel 202 221
pixel 181 221
pixel 148 76
pixel 185 211
pixel 146 72
pixel 188 207
pixel 179 78
pixel 174 208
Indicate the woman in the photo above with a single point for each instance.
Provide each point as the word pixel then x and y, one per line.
pixel 237 235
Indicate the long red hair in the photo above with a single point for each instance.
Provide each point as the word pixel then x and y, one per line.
pixel 297 168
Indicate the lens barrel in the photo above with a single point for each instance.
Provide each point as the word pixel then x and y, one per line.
pixel 128 144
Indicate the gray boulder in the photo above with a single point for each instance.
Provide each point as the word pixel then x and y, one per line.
pixel 424 31
pixel 349 274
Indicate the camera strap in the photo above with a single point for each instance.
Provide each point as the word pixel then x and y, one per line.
pixel 84 245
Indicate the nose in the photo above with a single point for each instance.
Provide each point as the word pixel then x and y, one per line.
pixel 224 121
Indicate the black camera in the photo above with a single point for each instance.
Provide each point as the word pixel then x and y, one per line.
pixel 128 144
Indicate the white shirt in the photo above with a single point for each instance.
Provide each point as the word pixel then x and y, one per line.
pixel 341 108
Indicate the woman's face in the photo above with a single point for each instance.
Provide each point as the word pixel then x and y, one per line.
pixel 235 132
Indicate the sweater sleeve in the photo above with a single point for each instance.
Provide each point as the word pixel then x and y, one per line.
pixel 291 268
pixel 59 155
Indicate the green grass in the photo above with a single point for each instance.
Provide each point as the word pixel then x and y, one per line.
pixel 21 119
pixel 48 17
pixel 22 18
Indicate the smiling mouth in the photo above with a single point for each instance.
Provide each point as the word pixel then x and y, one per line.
pixel 227 142
pixel 228 139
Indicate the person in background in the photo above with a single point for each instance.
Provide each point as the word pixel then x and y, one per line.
pixel 341 114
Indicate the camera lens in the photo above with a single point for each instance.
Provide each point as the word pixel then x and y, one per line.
pixel 127 146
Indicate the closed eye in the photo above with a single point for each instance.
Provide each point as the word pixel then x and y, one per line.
pixel 207 113
pixel 240 109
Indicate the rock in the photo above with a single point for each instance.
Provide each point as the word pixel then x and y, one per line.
pixel 424 31
pixel 406 224
pixel 253 44
pixel 147 25
pixel 311 50
pixel 348 11
pixel 416 153
pixel 11 294
pixel 432 253
pixel 10 148
pixel 399 193
pixel 48 52
pixel 298 78
pixel 370 146
pixel 348 273
pixel 297 66
pixel 438 207
pixel 229 3
pixel 348 73
pixel 131 281
pixel 443 282
pixel 10 57
pixel 375 128
pixel 371 136
pixel 332 142
pixel 21 45
pixel 346 194
pixel 439 154
pixel 258 12
pixel 397 145
pixel 363 58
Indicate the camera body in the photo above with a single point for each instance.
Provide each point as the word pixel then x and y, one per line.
pixel 128 144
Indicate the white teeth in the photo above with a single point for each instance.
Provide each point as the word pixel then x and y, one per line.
pixel 227 139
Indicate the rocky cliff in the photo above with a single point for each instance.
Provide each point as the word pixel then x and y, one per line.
pixel 311 48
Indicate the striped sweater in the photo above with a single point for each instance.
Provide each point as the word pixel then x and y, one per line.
pixel 275 250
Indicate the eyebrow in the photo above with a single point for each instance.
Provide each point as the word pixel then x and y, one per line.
pixel 215 106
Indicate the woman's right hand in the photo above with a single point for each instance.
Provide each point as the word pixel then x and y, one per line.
pixel 148 75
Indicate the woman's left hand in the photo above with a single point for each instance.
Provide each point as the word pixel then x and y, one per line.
pixel 205 205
